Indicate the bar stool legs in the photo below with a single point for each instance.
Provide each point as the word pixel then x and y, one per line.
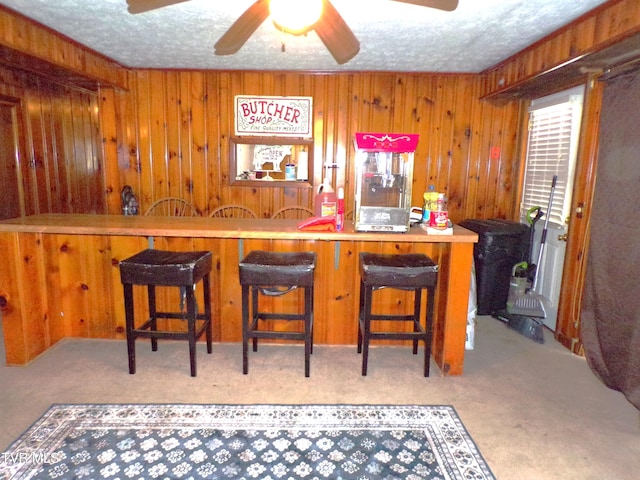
pixel 250 325
pixel 174 269
pixel 275 274
pixel 411 272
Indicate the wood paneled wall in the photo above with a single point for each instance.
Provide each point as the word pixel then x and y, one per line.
pixel 167 132
pixel 169 136
pixel 59 151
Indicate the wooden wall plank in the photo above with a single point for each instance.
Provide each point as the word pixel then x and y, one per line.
pixel 12 301
pixel 115 165
pixel 40 160
pixel 57 328
pixel 155 105
pixel 33 298
pixel 96 194
pixel 61 197
pixel 80 151
pixel 172 116
pixel 141 143
pixel 50 159
pixel 72 262
pixel 227 307
pixel 195 178
pixel 97 287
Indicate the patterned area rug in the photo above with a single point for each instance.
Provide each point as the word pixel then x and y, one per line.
pixel 245 442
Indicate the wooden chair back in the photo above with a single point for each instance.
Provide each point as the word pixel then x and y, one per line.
pixel 233 211
pixel 293 212
pixel 172 207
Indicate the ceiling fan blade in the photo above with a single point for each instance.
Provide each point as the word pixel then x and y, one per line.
pixel 242 28
pixel 447 5
pixel 336 34
pixel 141 6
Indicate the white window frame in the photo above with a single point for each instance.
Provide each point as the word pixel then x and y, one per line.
pixel 552 149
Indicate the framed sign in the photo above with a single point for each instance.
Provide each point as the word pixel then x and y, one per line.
pixel 273 116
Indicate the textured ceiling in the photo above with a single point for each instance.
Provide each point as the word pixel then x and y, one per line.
pixel 393 36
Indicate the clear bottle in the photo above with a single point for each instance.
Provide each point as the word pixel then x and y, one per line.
pixel 426 208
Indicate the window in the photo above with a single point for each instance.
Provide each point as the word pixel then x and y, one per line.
pixel 552 147
pixel 287 161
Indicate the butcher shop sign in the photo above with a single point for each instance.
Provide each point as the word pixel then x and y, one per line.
pixel 273 116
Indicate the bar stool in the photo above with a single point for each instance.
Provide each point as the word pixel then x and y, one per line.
pixel 403 272
pixel 173 269
pixel 275 274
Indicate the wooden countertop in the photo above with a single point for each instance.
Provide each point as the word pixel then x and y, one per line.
pixel 205 227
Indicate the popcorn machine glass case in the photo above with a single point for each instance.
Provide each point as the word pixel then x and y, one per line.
pixel 384 175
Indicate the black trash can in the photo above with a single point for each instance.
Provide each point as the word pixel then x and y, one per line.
pixel 501 244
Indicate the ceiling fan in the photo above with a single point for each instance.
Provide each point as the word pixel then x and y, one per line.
pixel 331 27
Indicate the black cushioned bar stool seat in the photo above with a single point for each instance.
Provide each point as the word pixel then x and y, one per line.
pixel 171 269
pixel 275 274
pixel 410 271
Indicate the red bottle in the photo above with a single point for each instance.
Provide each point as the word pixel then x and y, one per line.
pixel 340 210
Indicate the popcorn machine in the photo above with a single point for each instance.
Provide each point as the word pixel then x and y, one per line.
pixel 384 176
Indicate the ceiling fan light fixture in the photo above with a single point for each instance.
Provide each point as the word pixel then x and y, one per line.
pixel 295 16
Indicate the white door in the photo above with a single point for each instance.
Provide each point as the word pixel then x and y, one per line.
pixel 551 151
pixel 549 276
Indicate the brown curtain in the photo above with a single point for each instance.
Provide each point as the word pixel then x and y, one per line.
pixel 611 306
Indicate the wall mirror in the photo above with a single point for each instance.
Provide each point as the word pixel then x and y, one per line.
pixel 265 160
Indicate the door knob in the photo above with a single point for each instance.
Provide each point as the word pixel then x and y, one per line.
pixel 563 237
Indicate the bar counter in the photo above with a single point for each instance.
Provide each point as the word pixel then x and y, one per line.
pixel 60 278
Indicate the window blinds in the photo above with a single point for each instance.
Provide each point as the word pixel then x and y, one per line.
pixel 554 128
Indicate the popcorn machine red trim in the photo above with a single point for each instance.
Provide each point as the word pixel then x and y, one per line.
pixel 384 176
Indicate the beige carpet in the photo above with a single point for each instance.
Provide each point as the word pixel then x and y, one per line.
pixel 535 411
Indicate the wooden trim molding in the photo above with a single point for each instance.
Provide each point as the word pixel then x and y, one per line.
pixel 30 46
